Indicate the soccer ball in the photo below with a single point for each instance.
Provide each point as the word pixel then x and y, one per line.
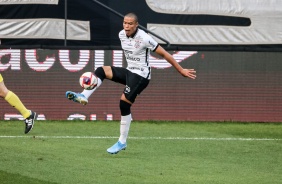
pixel 88 80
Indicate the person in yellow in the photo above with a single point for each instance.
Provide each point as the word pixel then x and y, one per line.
pixel 15 102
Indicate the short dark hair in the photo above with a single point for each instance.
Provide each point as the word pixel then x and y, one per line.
pixel 132 15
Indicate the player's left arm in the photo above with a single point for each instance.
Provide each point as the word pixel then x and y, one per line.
pixel 191 73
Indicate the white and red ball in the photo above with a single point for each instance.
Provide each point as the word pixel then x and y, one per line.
pixel 88 80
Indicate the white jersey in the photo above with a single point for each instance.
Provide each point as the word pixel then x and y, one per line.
pixel 137 50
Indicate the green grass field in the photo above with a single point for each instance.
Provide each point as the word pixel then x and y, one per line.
pixel 74 152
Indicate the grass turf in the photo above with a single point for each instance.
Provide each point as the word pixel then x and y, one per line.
pixel 69 152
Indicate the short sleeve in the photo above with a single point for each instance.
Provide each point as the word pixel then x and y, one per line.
pixel 151 43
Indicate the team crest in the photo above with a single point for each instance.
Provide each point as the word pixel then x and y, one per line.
pixel 137 44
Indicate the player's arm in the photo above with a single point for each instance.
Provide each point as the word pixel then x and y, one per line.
pixel 191 73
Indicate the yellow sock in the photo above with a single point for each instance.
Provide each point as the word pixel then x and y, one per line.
pixel 14 101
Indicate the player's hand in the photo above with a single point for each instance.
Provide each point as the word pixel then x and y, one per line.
pixel 191 73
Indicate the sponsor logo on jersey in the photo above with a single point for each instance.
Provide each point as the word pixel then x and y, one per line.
pixel 153 45
pixel 132 58
pixel 128 52
pixel 136 68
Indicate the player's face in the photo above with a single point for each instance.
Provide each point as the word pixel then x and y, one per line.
pixel 129 25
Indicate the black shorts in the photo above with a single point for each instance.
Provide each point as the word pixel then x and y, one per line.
pixel 134 84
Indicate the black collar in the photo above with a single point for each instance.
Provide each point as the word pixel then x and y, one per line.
pixel 132 36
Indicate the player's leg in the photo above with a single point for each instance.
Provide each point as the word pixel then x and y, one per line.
pixel 125 122
pixel 101 73
pixel 3 89
pixel 135 85
pixel 15 102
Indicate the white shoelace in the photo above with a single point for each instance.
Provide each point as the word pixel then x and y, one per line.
pixel 28 121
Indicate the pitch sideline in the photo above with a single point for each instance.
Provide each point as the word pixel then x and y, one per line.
pixel 147 138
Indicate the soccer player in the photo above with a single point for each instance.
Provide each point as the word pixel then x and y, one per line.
pixel 136 45
pixel 15 102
